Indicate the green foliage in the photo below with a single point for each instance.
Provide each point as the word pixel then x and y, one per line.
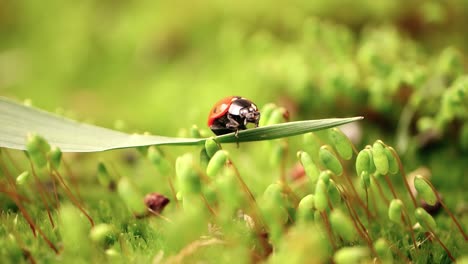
pixel 153 66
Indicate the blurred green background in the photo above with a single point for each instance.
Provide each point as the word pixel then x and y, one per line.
pixel 160 65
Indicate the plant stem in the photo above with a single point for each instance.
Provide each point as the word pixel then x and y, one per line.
pixel 387 202
pixel 72 197
pixel 329 231
pixel 403 174
pixel 454 219
pixel 42 193
pixel 362 232
pixel 442 244
pixel 73 179
pixel 389 183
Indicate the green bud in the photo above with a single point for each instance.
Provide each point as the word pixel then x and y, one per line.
pixel 462 259
pixel 450 62
pixel 195 132
pixel 187 177
pixel 277 116
pixel 380 158
pixel 111 252
pixel 277 153
pixel 55 157
pixel 100 233
pixel 311 143
pixel 228 190
pixel 274 211
pixel 330 161
pixel 325 176
pixel 37 147
pixel 363 161
pixel 183 133
pixel 274 193
pixel 306 208
pixel 103 175
pixel 424 190
pixel 27 102
pixel 334 193
pixel 74 232
pixel 267 110
pixel 321 195
pixel 341 143
pixel 351 255
pixel 204 158
pixel 156 157
pixel 392 161
pixel 131 196
pixel 425 123
pixel 216 163
pixel 343 225
pixel 425 219
pixel 211 146
pixel 382 248
pixel 395 210
pixel 120 125
pixel 143 150
pixel 310 168
pixel 365 180
pixel 22 178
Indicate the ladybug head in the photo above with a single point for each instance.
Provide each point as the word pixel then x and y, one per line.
pixel 250 114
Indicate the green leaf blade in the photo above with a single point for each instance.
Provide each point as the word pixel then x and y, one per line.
pixel 17 121
pixel 285 129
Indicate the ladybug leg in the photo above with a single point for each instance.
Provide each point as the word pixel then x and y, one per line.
pixel 232 124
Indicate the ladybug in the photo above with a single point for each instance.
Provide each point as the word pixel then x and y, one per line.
pixel 232 114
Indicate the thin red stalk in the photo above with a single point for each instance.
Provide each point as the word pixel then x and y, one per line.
pixel 350 183
pixel 255 210
pixel 410 226
pixel 443 245
pixel 387 202
pixel 32 225
pixel 362 232
pixel 72 197
pixel 246 189
pixel 367 204
pixel 403 174
pixel 13 162
pixel 212 211
pixel 10 178
pixel 17 200
pixel 400 254
pixel 360 202
pixel 73 178
pixel 26 252
pixel 173 191
pixel 160 216
pixel 283 165
pixel 389 183
pixel 42 194
pixel 454 219
pixel 329 231
pixel 17 195
pixel 54 186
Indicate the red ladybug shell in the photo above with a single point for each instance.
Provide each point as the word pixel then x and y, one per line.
pixel 221 108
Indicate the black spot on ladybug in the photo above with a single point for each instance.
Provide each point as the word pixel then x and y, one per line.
pixel 232 114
